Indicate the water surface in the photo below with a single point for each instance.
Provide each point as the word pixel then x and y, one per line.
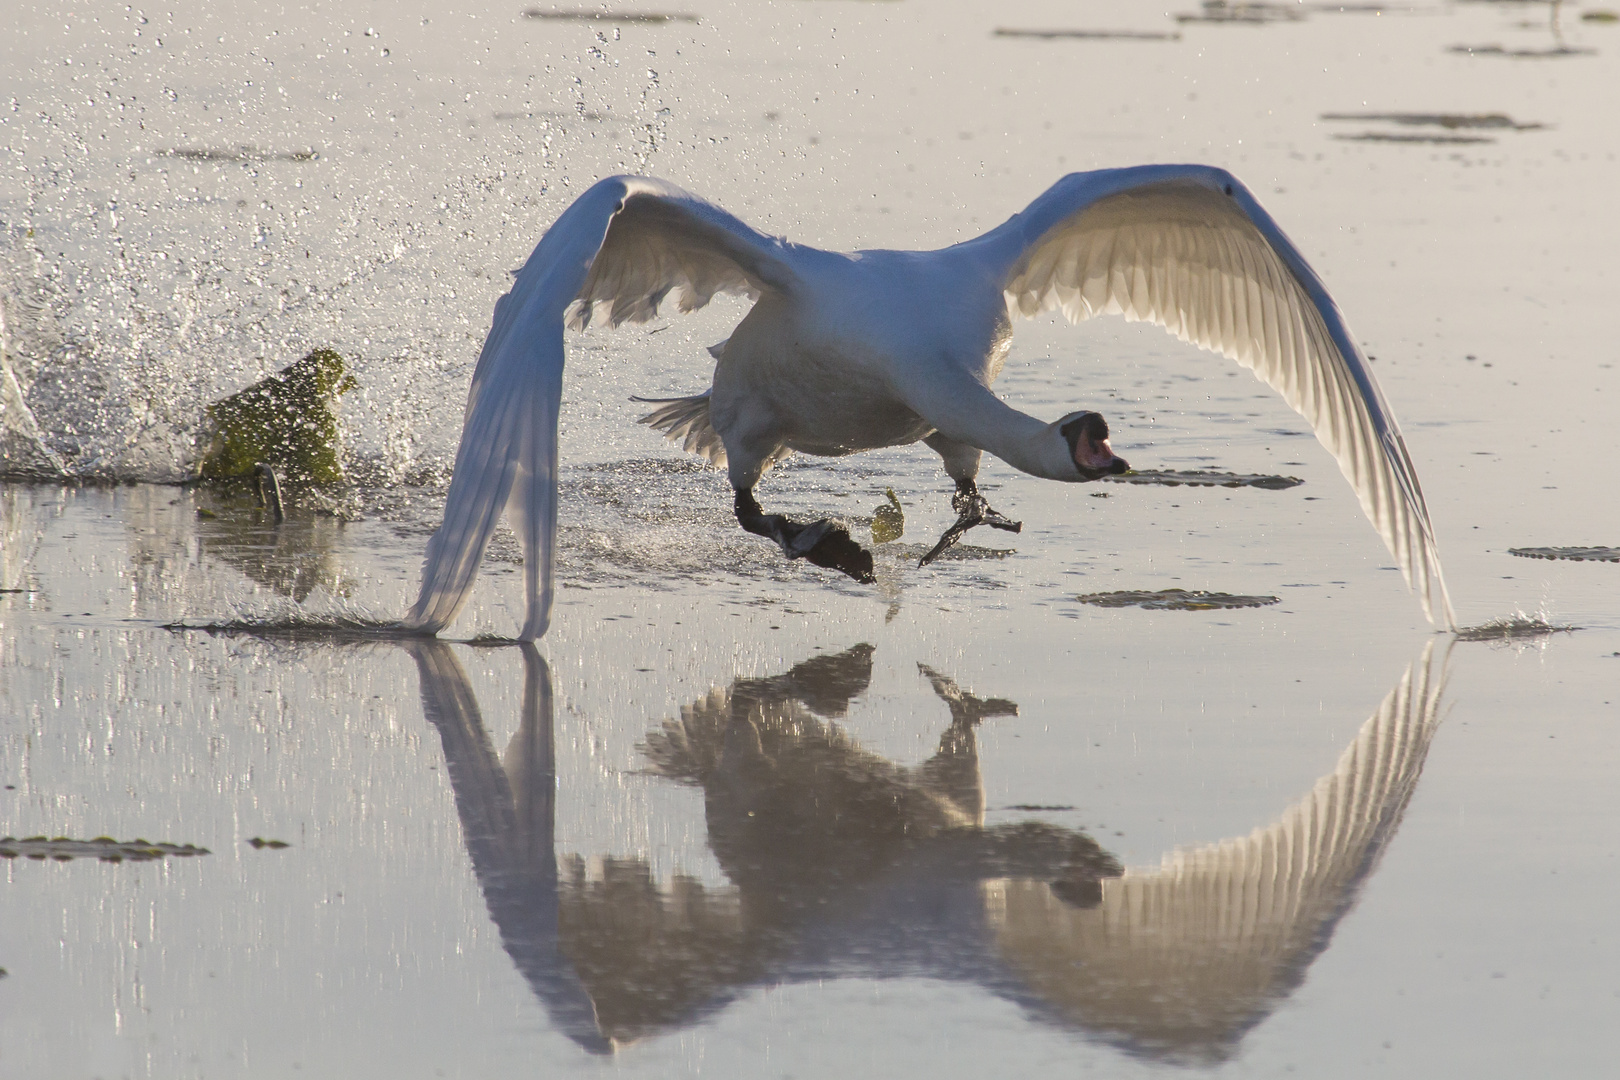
pixel 740 818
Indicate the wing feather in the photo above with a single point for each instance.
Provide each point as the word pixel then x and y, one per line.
pixel 621 249
pixel 1189 248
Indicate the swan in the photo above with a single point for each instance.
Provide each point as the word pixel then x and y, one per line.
pixel 848 352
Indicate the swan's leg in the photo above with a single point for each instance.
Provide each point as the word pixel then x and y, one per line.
pixel 822 542
pixel 962 463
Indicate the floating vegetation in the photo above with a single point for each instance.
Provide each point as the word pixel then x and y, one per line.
pixel 105 848
pixel 1519 627
pixel 1204 478
pixel 1089 35
pixel 1176 600
pixel 1449 121
pixel 1574 554
pixel 1553 53
pixel 650 17
pixel 1427 140
pixel 288 421
pixel 888 520
pixel 259 843
pixel 238 155
pixel 1243 11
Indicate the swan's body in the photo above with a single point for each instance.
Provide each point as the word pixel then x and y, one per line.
pixel 849 352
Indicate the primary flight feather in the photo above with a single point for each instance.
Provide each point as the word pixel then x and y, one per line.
pixel 849 352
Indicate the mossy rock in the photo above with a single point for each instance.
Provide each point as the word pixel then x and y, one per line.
pixel 288 421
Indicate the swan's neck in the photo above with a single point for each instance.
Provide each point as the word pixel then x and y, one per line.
pixel 1022 441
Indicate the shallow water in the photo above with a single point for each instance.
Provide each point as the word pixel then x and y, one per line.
pixel 741 818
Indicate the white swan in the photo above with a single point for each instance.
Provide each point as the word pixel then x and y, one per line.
pixel 847 352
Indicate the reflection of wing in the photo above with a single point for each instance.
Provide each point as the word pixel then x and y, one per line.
pixel 1179 961
pixel 1189 248
pixel 508 817
pixel 626 244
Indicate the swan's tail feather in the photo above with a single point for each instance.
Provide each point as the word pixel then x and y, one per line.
pixel 686 420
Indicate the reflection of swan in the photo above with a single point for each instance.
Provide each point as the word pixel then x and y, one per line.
pixel 843 864
pixel 883 348
pixel 508 819
pixel 1180 960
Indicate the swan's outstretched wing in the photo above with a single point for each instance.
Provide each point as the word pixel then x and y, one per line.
pixel 1189 248
pixel 625 246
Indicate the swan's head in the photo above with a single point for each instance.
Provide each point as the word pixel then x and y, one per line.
pixel 1087 435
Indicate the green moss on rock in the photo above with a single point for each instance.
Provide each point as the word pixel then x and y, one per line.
pixel 288 421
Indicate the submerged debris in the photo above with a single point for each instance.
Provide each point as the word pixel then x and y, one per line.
pixel 1175 600
pixel 288 421
pixel 104 848
pixel 1204 478
pixel 1575 554
pixel 1512 628
pixel 888 520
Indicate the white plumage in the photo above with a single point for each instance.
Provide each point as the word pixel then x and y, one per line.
pixel 848 352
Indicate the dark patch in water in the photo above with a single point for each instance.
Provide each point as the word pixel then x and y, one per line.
pixel 1512 628
pixel 1576 554
pixel 105 848
pixel 1175 600
pixel 655 18
pixel 1205 478
pixel 238 155
pixel 1089 35
pixel 259 843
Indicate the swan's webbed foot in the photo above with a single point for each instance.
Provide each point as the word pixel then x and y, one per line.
pixel 973 510
pixel 823 542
